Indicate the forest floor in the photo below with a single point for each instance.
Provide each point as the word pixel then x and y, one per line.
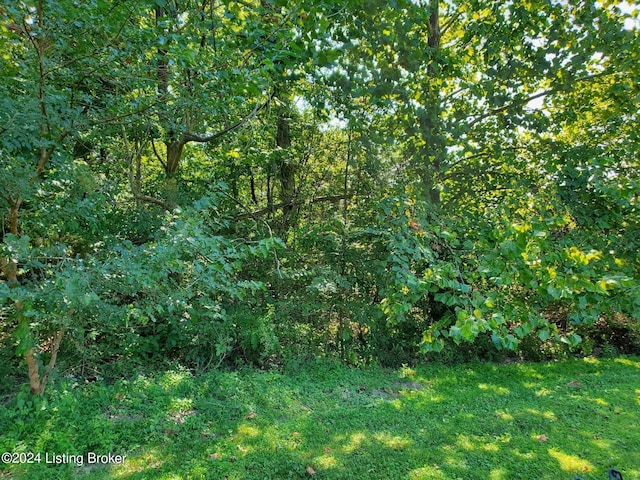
pixel 324 420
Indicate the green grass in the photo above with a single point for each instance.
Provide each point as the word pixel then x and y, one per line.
pixel 328 421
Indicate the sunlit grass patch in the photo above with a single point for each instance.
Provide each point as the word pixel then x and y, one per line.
pixel 427 473
pixel 429 422
pixel 570 463
pixel 628 362
pixel 149 459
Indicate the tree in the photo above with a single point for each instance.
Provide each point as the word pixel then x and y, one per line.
pixel 437 170
pixel 36 45
pixel 456 86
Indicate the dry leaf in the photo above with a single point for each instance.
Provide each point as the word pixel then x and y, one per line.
pixel 542 438
pixel 310 470
pixel 327 450
pixel 573 384
pixel 215 456
pixel 250 415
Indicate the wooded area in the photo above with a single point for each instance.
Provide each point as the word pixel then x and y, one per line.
pixel 249 182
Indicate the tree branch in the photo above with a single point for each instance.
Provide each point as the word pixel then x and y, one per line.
pixel 518 103
pixel 162 162
pixel 115 118
pixel 153 200
pixel 193 137
pixel 275 253
pixel 450 22
pixel 57 339
pixel 444 174
pixel 280 206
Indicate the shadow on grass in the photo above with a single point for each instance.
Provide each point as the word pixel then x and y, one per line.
pixel 525 421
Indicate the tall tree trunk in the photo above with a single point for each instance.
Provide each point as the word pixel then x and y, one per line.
pixel 434 129
pixel 174 149
pixel 286 170
pixel 432 154
pixel 269 192
pixel 174 143
pixel 252 185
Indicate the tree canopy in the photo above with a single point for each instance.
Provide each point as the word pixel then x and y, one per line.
pixel 241 181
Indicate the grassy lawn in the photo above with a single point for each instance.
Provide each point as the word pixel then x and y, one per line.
pixel 328 421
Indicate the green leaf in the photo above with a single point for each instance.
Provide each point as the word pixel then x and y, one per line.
pixel 544 334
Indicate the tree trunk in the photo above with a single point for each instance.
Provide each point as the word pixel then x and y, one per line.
pixel 174 153
pixel 174 145
pixel 252 184
pixel 432 154
pixel 38 377
pixel 287 171
pixel 269 192
pixel 9 266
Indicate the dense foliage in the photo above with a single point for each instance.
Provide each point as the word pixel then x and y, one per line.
pixel 254 181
